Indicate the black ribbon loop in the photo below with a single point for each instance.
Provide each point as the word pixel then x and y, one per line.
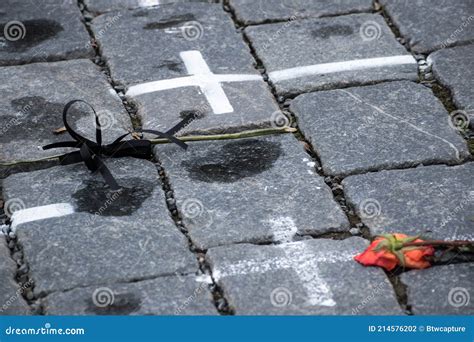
pixel 91 152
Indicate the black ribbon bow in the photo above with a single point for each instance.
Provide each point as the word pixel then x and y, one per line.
pixel 91 153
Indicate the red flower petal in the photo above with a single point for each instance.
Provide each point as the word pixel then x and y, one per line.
pixel 414 257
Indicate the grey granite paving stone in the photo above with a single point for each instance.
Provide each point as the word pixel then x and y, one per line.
pixel 183 295
pixel 453 295
pixel 200 39
pixel 11 300
pixel 394 124
pixel 429 25
pixel 250 190
pixel 33 31
pixel 102 6
pixel 432 201
pixel 305 47
pixel 252 12
pixel 454 68
pixel 105 237
pixel 313 277
pixel 33 98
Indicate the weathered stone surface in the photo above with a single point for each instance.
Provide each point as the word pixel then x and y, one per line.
pixel 388 125
pixel 11 301
pixel 35 31
pixel 441 290
pixel 33 99
pixel 431 26
pixel 454 68
pixel 434 201
pixel 110 236
pixel 251 12
pixel 199 39
pixel 149 30
pixel 308 277
pixel 102 6
pixel 353 39
pixel 250 190
pixel 183 295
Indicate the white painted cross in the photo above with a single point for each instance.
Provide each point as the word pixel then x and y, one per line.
pixel 297 256
pixel 210 84
pixel 199 76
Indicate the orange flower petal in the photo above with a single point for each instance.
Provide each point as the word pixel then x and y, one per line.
pixel 414 257
pixel 380 258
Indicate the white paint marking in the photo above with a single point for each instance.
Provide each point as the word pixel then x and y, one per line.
pixel 200 76
pixel 148 3
pixel 204 278
pixel 283 228
pixel 210 86
pixel 40 213
pixel 378 109
pixel 318 291
pixel 329 68
pixel 299 258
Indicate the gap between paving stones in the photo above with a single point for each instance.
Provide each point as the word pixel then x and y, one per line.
pixel 444 95
pixel 26 283
pixel 98 60
pixel 220 301
pixel 218 295
pixel 283 20
pixel 120 282
pixel 380 8
pixel 291 96
pixel 334 183
pixel 425 73
pixel 22 277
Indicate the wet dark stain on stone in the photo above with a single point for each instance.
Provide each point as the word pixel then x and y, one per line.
pixel 97 198
pixel 236 160
pixel 326 32
pixel 170 65
pixel 172 21
pixel 34 118
pixel 198 114
pixel 36 31
pixel 123 304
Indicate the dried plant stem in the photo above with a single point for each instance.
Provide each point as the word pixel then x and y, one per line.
pixel 18 162
pixel 456 243
pixel 227 136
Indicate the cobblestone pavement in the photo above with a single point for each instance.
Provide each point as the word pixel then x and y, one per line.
pixel 381 94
